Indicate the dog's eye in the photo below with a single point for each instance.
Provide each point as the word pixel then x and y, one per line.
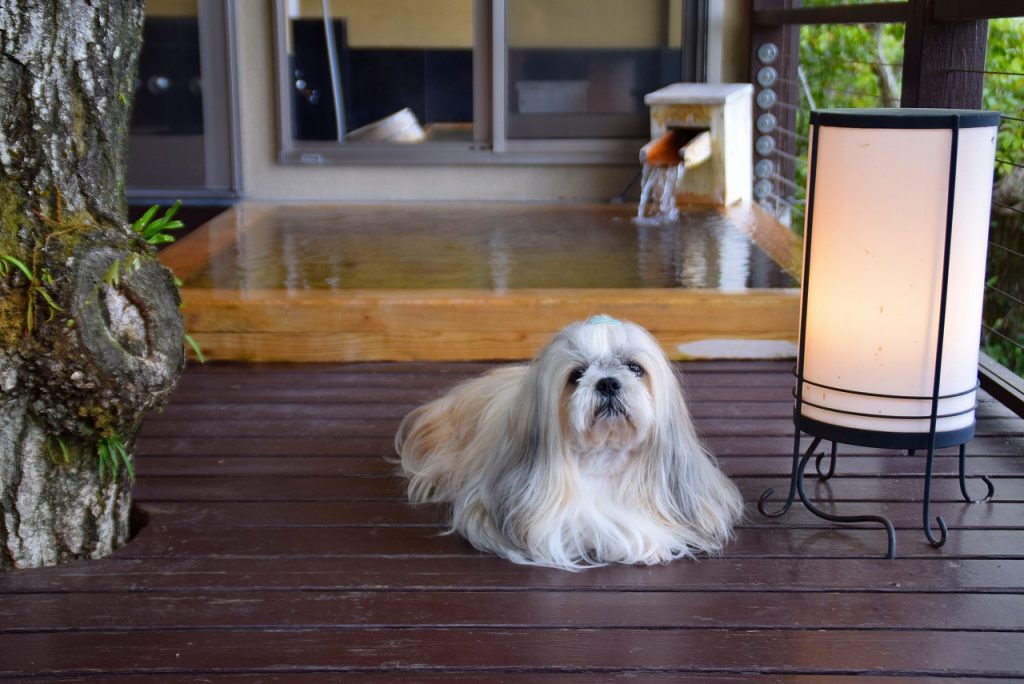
pixel 576 375
pixel 636 369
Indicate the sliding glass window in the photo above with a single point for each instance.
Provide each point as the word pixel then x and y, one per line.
pixel 182 140
pixel 466 81
pixel 581 68
pixel 400 70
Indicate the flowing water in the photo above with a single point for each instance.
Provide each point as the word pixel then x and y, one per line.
pixel 659 185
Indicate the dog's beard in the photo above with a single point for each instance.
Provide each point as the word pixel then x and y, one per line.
pixel 620 421
pixel 611 407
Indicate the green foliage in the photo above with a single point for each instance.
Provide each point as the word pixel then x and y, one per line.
pixel 1005 93
pixel 6 261
pixel 195 347
pixel 113 275
pixel 155 230
pixel 1010 355
pixel 130 264
pixel 48 298
pixel 58 451
pixel 1004 313
pixel 35 287
pixel 112 455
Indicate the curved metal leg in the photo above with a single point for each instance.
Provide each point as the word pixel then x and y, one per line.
pixel 927 505
pixel 792 481
pixel 889 530
pixel 964 478
pixel 831 463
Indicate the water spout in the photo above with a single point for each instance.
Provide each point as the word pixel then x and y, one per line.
pixel 665 160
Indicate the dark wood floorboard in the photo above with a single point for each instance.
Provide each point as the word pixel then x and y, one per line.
pixel 279 548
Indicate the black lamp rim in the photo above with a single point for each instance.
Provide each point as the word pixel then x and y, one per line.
pixel 920 118
pixel 882 440
pixel 881 395
pixel 863 414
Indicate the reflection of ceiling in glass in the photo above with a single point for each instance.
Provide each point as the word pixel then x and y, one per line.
pixel 172 8
pixel 577 24
pixel 397 23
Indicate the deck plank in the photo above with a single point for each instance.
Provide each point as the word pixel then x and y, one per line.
pixel 278 547
pixel 325 488
pixel 129 611
pixel 119 573
pixel 860 465
pixel 940 653
pixel 384 446
pixel 373 513
pixel 759 542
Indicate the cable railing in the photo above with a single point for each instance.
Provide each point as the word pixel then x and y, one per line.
pixel 1003 327
pixel 863 66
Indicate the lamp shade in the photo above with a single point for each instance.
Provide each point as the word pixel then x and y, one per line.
pixel 894 268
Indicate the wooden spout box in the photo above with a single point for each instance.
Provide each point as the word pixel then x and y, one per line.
pixel 725 110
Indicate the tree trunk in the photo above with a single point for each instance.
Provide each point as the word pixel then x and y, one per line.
pixel 83 355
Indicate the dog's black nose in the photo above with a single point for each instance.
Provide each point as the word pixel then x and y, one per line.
pixel 608 386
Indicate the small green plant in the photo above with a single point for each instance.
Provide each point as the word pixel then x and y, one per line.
pixel 6 261
pixel 35 287
pixel 52 305
pixel 112 454
pixel 195 347
pixel 58 451
pixel 113 275
pixel 154 231
pixel 129 265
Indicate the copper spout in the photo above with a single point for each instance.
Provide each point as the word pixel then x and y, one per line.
pixel 677 145
pixel 663 150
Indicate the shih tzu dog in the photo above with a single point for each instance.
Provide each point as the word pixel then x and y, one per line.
pixel 587 456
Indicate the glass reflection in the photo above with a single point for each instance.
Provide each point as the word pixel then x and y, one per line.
pixel 489 247
pixel 396 71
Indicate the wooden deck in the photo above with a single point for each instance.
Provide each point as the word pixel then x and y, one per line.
pixel 279 548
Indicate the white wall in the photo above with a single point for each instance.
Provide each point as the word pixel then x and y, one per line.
pixel 264 179
pixel 728 41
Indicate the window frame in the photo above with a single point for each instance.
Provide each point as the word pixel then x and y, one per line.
pixel 490 144
pixel 219 144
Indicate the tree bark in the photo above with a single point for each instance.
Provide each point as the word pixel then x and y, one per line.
pixel 83 356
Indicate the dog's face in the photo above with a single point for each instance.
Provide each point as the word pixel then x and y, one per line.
pixel 606 373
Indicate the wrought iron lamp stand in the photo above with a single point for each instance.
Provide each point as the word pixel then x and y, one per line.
pixel 796 482
pixel 857 422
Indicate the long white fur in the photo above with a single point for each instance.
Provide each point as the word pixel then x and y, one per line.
pixel 533 475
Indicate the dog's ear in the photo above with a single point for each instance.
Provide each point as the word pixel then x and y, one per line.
pixel 526 474
pixel 689 485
